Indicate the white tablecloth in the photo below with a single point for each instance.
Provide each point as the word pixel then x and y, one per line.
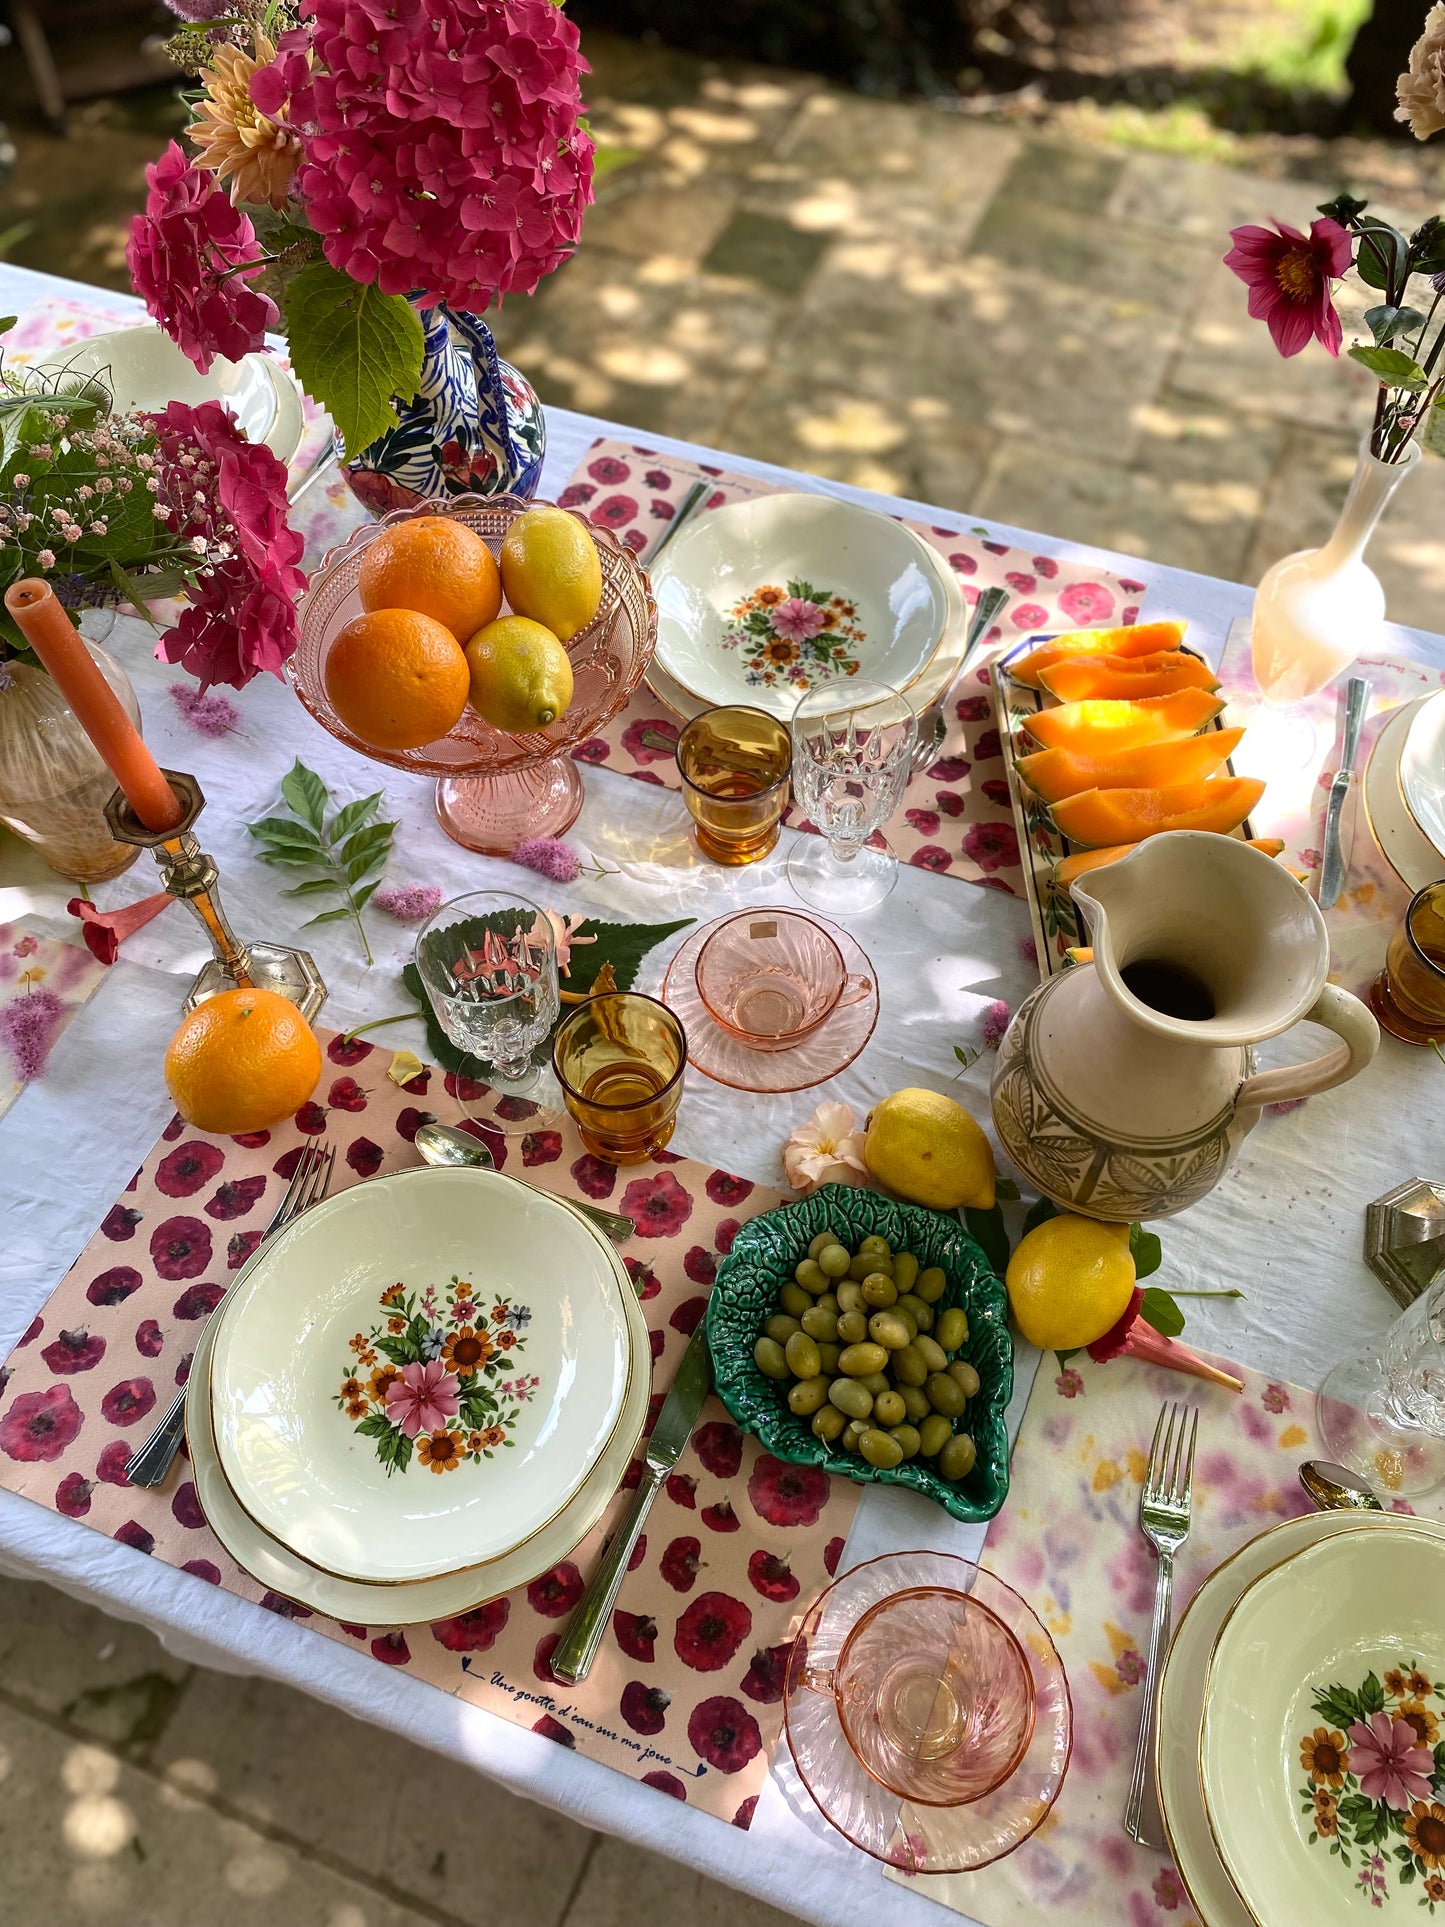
pixel 1285 1226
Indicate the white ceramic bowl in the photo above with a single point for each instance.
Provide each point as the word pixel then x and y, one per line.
pixel 1401 835
pixel 1346 1620
pixel 876 590
pixel 287 1429
pixel 143 368
pixel 1422 769
pixel 282 1571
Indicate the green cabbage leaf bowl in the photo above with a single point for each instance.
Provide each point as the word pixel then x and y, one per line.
pixel 745 1294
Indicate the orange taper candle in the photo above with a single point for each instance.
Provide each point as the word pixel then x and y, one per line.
pixel 60 646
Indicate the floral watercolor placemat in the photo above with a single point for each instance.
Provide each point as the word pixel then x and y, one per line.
pixel 43 982
pixel 686 1693
pixel 1069 1541
pixel 1297 751
pixel 955 818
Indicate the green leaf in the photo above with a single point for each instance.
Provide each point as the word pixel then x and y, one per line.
pixel 364 865
pixel 352 817
pixel 1393 366
pixel 364 895
pixel 1342 1708
pixel 374 840
pixel 375 1426
pixel 304 790
pixel 987 1230
pixel 293 854
pixel 282 829
pixel 1006 1189
pixel 1064 1357
pixel 1372 1694
pixel 1039 1212
pixel 1160 1311
pixel 1146 1251
pixel 1380 258
pixel 1385 323
pixel 312 889
pixel 327 916
pixel 353 349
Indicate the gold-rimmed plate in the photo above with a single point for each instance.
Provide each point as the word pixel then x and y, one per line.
pixel 1401 837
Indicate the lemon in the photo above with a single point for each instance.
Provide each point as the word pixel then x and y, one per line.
pixel 521 678
pixel 550 571
pixel 929 1150
pixel 1069 1281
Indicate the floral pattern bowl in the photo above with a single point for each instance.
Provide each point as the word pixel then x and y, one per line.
pixel 1321 1758
pixel 761 1262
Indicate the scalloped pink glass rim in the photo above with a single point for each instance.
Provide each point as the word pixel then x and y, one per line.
pixel 609 656
pixel 900 1832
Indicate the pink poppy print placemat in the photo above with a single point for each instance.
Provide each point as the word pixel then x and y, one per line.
pixel 955 818
pixel 1069 1541
pixel 43 982
pixel 686 1692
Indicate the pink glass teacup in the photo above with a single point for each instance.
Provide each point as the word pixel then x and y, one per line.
pixel 772 977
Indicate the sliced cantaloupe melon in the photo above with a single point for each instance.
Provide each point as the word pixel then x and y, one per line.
pixel 1057 773
pixel 1127 676
pixel 1143 639
pixel 1103 723
pixel 1100 818
pixel 1082 861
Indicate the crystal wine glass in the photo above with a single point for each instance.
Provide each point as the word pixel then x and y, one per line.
pixel 852 747
pixel 488 962
pixel 1381 1411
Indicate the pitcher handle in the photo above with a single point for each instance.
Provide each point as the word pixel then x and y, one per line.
pixel 487 367
pixel 1351 1021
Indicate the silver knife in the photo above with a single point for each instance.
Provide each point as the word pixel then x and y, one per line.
pixel 1332 875
pixel 573 1658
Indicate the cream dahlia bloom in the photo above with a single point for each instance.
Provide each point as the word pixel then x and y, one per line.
pixel 825 1150
pixel 237 141
pixel 1422 89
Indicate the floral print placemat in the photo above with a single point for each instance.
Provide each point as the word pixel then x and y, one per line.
pixel 955 818
pixel 1069 1541
pixel 686 1693
pixel 43 982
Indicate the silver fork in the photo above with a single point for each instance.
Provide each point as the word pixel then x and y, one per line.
pixel 1164 1509
pixel 310 1182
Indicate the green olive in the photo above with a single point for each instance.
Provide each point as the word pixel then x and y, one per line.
pixel 879 1290
pixel 931 1285
pixel 876 1242
pixel 931 1352
pixel 964 1376
pixel 887 1329
pixel 780 1327
pixel 951 1330
pixel 853 1400
pixel 828 1302
pixel 830 1354
pixel 802 1356
pixel 852 1327
pixel 769 1359
pixel 934 1433
pixel 909 1321
pixel 880 1449
pixel 945 1394
pixel 807 1396
pixel 820 1324
pixel 859 1267
pixel 833 1259
pixel 920 1312
pixel 909 1365
pixel 905 1270
pixel 828 1423
pixel 889 1409
pixel 956 1460
pixel 907 1437
pixel 810 1277
pixel 822 1242
pixel 861 1359
pixel 794 1300
pixel 849 1295
pixel 915 1402
pixel 877 1382
pixel 852 1432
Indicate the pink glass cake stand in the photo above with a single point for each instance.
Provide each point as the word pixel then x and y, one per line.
pixel 494 791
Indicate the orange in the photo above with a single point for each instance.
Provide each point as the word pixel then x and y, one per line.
pixel 437 566
pixel 1140 639
pixel 1101 818
pixel 242 1061
pixel 397 679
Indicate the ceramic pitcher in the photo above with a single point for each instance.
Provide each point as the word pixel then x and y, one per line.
pixel 1124 1087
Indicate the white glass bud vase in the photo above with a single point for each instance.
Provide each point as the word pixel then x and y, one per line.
pixel 1317 610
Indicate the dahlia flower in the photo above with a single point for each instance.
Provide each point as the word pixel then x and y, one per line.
pixel 825 1150
pixel 237 142
pixel 1421 90
pixel 190 255
pixel 443 151
pixel 1288 275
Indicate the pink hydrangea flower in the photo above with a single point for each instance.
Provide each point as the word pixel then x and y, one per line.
pixel 409 902
pixel 183 255
pixel 423 1398
pixel 797 620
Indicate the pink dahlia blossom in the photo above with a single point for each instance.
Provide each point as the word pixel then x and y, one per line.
pixel 423 1398
pixel 443 150
pixel 183 253
pixel 1288 275
pixel 1390 1762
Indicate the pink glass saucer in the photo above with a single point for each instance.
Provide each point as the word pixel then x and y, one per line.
pixel 720 1055
pixel 919 1836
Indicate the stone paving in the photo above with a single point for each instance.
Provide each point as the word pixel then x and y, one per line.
pixel 881 293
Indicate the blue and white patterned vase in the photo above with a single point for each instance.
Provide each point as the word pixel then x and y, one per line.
pixel 474 427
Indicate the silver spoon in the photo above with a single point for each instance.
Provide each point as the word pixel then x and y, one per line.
pixel 1334 1488
pixel 443 1144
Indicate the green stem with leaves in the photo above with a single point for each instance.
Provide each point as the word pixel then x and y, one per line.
pixel 347 847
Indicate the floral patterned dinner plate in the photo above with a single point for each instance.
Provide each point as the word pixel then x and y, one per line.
pixel 419 1374
pixel 1320 1758
pixel 762 600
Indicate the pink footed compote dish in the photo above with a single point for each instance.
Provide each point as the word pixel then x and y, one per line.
pixel 494 791
pixel 927 1712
